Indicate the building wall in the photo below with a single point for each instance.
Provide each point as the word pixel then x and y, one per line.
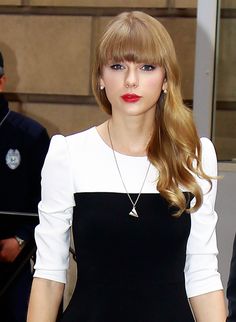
pixel 48 47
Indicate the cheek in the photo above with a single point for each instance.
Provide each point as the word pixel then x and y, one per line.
pixel 113 85
pixel 155 83
pixel 112 90
pixel 108 81
pixel 154 86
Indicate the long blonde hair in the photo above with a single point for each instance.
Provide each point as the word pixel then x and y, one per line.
pixel 175 148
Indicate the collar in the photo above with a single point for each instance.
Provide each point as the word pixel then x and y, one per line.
pixel 3 107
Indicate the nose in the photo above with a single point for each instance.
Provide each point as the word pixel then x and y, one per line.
pixel 131 80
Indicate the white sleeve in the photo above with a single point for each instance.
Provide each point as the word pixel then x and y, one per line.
pixel 52 235
pixel 201 268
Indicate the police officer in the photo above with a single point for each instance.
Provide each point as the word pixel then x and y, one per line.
pixel 23 147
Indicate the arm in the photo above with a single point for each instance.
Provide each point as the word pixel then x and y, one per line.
pixel 209 307
pixel 52 235
pixel 45 300
pixel 203 282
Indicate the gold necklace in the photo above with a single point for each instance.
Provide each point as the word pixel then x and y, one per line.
pixel 133 212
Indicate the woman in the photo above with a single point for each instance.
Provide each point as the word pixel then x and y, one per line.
pixel 143 193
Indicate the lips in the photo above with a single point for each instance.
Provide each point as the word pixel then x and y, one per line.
pixel 131 98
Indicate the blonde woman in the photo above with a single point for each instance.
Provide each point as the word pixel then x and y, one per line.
pixel 138 190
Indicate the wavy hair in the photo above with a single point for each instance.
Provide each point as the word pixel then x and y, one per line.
pixel 174 148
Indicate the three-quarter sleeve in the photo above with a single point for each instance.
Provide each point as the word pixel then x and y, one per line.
pixel 201 268
pixel 52 235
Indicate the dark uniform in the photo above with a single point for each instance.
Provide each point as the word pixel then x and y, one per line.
pixel 231 289
pixel 23 147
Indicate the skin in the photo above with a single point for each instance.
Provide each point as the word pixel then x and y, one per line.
pixel 144 80
pixel 131 126
pixel 45 299
pixel 209 307
pixel 9 248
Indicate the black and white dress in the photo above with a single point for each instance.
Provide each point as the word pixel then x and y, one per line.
pixel 129 269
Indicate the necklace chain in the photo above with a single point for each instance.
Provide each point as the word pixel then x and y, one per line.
pixel 134 203
pixel 5 117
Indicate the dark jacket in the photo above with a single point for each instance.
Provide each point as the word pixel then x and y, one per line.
pixel 231 289
pixel 23 147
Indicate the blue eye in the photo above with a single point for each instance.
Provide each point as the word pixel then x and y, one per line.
pixel 117 67
pixel 148 68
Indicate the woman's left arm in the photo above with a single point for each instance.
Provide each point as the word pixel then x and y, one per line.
pixel 202 279
pixel 209 307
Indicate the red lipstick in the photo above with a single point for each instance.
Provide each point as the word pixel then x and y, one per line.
pixel 130 98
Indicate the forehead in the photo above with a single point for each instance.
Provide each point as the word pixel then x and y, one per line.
pixel 133 43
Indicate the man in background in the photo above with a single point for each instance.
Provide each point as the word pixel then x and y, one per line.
pixel 231 289
pixel 23 147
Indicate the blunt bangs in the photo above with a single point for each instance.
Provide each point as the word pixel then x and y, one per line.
pixel 132 40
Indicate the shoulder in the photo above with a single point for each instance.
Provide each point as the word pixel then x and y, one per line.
pixel 63 152
pixel 209 159
pixel 81 139
pixel 207 145
pixel 80 136
pixel 74 141
pixel 25 124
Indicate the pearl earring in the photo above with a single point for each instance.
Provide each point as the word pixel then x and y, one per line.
pixel 165 91
pixel 101 87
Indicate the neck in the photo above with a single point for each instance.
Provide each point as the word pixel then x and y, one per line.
pixel 130 137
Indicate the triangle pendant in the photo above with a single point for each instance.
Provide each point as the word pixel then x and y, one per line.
pixel 133 213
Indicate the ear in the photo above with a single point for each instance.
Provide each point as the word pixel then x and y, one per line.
pixel 164 85
pixel 101 84
pixel 2 83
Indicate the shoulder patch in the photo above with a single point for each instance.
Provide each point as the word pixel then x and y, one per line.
pixel 13 159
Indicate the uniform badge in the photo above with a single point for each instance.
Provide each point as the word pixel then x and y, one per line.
pixel 13 159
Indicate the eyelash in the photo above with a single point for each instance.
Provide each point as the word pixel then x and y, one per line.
pixel 117 67
pixel 146 67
